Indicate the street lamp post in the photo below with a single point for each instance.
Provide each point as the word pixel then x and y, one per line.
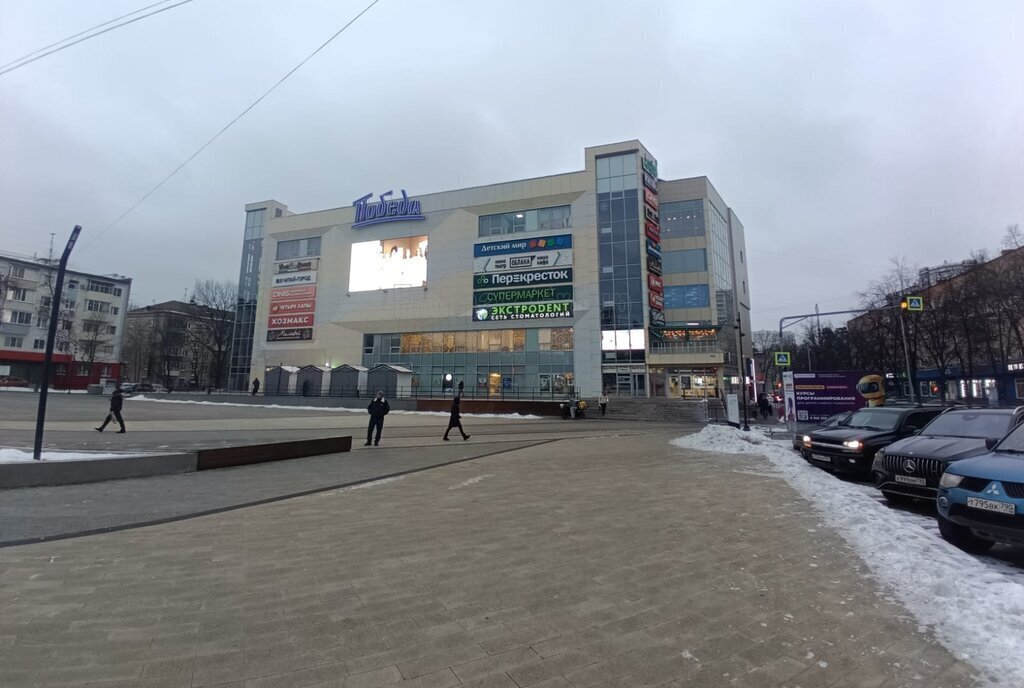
pixel 741 367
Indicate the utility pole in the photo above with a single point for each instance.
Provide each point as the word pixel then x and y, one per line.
pixel 742 368
pixel 37 449
pixel 904 305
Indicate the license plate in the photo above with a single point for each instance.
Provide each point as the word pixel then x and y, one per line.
pixel 911 480
pixel 821 457
pixel 989 505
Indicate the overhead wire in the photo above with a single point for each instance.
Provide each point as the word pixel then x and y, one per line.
pixel 230 124
pixel 63 45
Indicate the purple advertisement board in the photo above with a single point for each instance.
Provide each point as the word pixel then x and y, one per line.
pixel 820 395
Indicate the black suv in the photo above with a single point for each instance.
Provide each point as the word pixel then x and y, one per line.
pixel 911 467
pixel 850 447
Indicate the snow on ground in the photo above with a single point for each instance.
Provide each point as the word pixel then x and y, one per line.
pixel 975 605
pixel 18 455
pixel 341 409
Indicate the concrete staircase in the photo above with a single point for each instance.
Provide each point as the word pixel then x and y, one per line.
pixel 658 409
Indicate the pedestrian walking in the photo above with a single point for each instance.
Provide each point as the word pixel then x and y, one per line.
pixel 603 402
pixel 377 409
pixel 765 406
pixel 116 403
pixel 455 420
pixel 462 384
pixel 572 407
pixel 255 386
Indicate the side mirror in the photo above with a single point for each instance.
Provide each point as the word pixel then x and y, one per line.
pixel 990 443
pixel 911 429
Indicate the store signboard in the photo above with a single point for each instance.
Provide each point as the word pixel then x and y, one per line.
pixel 526 261
pixel 653 248
pixel 490 280
pixel 288 293
pixel 657 318
pixel 651 182
pixel 279 322
pixel 651 214
pixel 303 265
pixel 385 210
pixel 513 246
pixel 292 307
pixel 653 265
pixel 652 231
pixel 524 311
pixel 523 295
pixel 302 334
pixel 650 166
pixel 654 283
pixel 651 198
pixel 293 279
pixel 656 300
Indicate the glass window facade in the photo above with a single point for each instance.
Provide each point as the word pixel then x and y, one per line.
pixel 689 260
pixel 298 248
pixel 619 245
pixel 513 362
pixel 248 289
pixel 688 296
pixel 720 256
pixel 538 220
pixel 682 218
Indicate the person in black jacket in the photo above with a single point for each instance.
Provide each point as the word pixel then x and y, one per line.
pixel 455 421
pixel 116 403
pixel 377 409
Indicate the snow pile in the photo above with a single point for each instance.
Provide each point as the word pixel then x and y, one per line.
pixel 341 409
pixel 974 604
pixel 19 456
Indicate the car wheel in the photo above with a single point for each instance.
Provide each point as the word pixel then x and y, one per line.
pixel 897 499
pixel 963 537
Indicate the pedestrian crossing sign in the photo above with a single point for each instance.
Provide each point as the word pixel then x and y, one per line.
pixel 915 304
pixel 782 358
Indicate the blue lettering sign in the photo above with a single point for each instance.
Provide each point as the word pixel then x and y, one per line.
pixel 543 243
pixel 385 210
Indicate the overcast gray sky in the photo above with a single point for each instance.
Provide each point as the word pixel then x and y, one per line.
pixel 841 133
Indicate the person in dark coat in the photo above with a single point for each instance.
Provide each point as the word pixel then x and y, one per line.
pixel 455 421
pixel 765 406
pixel 255 386
pixel 377 409
pixel 116 403
pixel 462 384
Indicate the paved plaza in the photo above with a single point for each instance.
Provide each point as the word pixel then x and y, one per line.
pixel 540 553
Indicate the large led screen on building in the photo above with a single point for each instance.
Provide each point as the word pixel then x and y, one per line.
pixel 388 264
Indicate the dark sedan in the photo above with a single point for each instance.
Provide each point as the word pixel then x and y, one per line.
pixel 910 468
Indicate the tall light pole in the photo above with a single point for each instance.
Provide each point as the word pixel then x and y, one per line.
pixel 904 307
pixel 741 367
pixel 51 335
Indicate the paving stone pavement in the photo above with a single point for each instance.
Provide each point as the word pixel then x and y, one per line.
pixel 584 563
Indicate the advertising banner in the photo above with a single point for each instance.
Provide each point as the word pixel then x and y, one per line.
pixel 651 198
pixel 526 261
pixel 289 293
pixel 278 322
pixel 292 307
pixel 650 182
pixel 654 283
pixel 526 311
pixel 653 249
pixel 817 396
pixel 516 279
pixel 652 231
pixel 302 265
pixel 789 396
pixel 293 278
pixel 304 334
pixel 656 300
pixel 512 246
pixel 657 318
pixel 653 265
pixel 651 214
pixel 523 295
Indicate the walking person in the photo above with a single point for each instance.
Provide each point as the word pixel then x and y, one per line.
pixel 255 386
pixel 462 384
pixel 455 421
pixel 377 409
pixel 603 402
pixel 765 406
pixel 116 403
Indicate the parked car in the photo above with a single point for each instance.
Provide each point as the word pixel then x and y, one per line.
pixel 129 388
pixel 910 468
pixel 850 448
pixel 981 500
pixel 11 381
pixel 830 422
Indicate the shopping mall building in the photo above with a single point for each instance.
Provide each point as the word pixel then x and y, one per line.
pixel 608 278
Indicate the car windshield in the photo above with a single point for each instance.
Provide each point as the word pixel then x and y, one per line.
pixel 1014 442
pixel 967 424
pixel 873 419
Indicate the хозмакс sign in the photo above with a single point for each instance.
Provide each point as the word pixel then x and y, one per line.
pixel 386 210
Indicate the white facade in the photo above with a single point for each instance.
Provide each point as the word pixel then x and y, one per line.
pixel 345 301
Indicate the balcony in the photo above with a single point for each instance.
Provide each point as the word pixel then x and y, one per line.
pixel 14 329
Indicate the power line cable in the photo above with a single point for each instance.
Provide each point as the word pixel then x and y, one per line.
pixel 80 33
pixel 18 64
pixel 232 123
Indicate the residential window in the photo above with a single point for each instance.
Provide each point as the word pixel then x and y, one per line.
pixel 97 306
pixel 45 301
pixel 13 342
pixel 539 219
pixel 90 327
pixel 114 310
pixel 111 329
pixel 17 294
pixel 298 248
pixel 118 291
pixel 101 287
pixel 39 344
pixel 21 317
pixel 42 321
pixel 72 284
pixel 61 370
pixel 106 371
pixel 82 370
pixel 107 349
pixel 18 271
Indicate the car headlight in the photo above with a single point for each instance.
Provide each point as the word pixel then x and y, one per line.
pixel 950 480
pixel 807 440
pixel 856 445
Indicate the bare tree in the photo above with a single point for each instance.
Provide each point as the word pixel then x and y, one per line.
pixel 215 310
pixel 1014 237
